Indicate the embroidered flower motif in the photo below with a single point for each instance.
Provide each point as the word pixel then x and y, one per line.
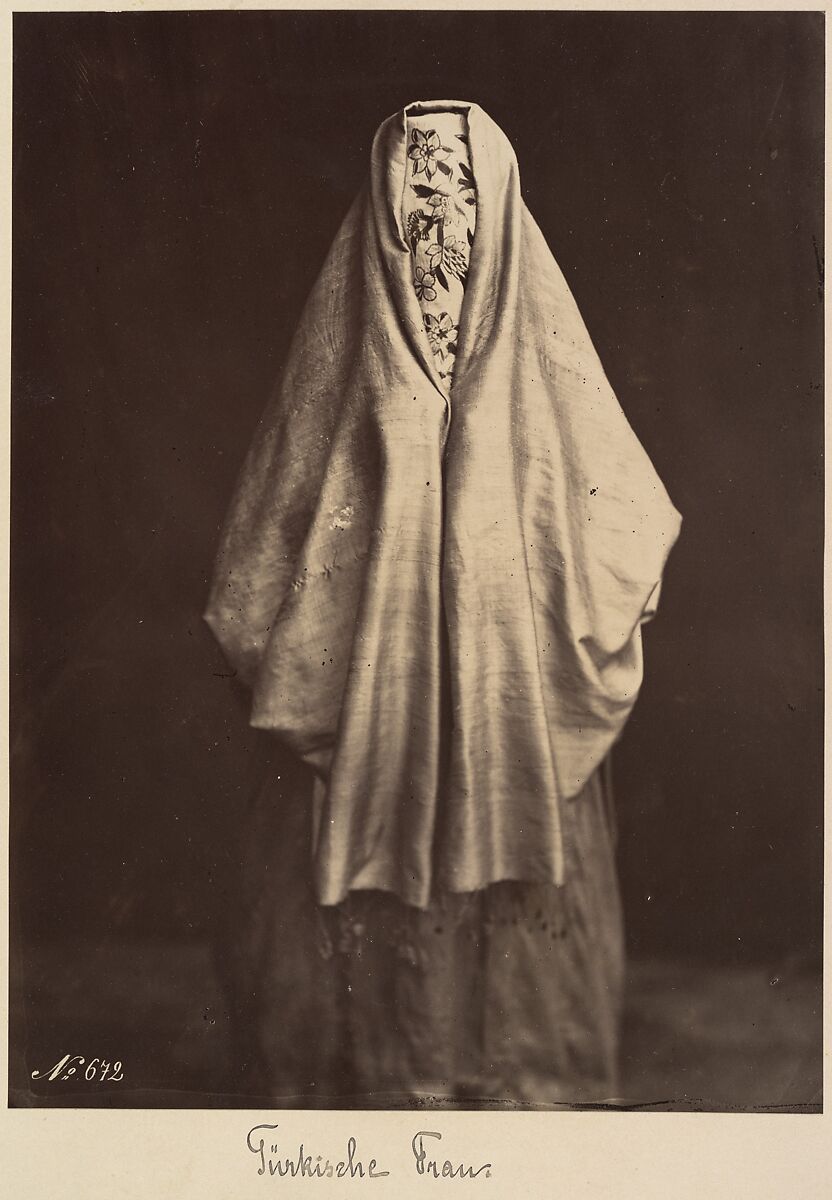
pixel 442 334
pixel 452 254
pixel 419 225
pixel 439 205
pixel 423 283
pixel 456 260
pixel 428 154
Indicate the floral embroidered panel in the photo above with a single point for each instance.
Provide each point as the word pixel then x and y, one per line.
pixel 440 206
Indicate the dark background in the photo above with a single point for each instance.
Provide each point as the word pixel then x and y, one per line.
pixel 178 179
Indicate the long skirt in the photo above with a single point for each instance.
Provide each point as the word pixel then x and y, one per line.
pixel 510 995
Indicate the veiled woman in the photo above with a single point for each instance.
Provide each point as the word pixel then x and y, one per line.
pixel 433 577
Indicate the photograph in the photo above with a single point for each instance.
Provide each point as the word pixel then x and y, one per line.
pixel 416 562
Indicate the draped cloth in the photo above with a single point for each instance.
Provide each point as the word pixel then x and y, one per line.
pixel 436 595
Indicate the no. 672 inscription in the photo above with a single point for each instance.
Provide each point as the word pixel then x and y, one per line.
pixel 94 1070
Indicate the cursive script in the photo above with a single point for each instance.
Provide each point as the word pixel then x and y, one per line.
pixel 447 1170
pixel 307 1166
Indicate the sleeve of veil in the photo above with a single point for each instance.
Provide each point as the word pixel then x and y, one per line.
pixel 613 523
pixel 280 481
